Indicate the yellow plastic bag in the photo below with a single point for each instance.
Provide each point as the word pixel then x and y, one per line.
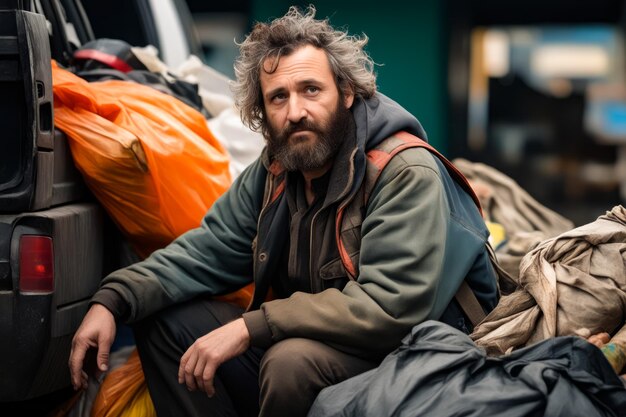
pixel 149 158
pixel 124 392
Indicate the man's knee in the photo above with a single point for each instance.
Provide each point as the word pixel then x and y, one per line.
pixel 289 377
pixel 294 364
pixel 294 371
pixel 288 360
pixel 182 324
pixel 159 324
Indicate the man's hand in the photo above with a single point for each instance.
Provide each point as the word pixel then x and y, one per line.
pixel 96 331
pixel 199 363
pixel 599 339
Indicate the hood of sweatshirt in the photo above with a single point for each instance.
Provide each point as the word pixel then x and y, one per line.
pixel 379 117
pixel 376 119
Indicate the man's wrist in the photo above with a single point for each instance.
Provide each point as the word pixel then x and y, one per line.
pixel 113 302
pixel 258 329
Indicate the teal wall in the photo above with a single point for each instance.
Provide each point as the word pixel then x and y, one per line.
pixel 407 39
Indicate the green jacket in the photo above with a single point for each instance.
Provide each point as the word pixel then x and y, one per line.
pixel 421 236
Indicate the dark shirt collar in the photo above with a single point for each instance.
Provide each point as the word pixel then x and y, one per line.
pixel 319 185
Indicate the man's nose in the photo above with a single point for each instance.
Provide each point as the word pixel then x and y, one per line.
pixel 297 110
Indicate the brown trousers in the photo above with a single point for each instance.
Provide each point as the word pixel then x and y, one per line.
pixel 282 381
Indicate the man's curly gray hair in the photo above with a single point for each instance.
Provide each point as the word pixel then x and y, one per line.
pixel 351 65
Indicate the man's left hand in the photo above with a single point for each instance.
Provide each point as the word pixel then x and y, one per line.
pixel 199 363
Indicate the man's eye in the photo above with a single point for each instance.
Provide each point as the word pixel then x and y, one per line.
pixel 278 97
pixel 312 89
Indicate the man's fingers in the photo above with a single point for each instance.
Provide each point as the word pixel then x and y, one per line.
pixel 84 380
pixel 103 356
pixel 195 372
pixel 188 369
pixel 599 339
pixel 208 376
pixel 198 373
pixel 97 331
pixel 77 357
pixel 200 362
pixel 190 381
pixel 181 367
pixel 204 374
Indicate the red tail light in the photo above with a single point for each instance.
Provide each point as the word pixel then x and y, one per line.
pixel 36 264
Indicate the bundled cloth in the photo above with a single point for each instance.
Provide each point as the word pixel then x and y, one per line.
pixel 526 222
pixel 571 284
pixel 438 371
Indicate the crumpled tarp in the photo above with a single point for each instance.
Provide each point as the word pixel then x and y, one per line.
pixel 438 371
pixel 571 282
pixel 526 221
pixel 509 204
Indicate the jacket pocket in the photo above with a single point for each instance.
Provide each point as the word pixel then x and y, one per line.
pixel 333 275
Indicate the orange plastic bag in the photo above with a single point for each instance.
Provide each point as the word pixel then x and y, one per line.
pixel 149 158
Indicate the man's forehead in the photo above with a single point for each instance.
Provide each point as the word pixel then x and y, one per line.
pixel 307 62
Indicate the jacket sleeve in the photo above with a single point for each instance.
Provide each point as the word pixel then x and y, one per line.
pixel 215 258
pixel 401 262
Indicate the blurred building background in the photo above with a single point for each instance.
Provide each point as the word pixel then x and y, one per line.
pixel 534 88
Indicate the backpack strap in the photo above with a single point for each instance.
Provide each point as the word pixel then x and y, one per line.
pixel 350 216
pixel 382 154
pixel 469 304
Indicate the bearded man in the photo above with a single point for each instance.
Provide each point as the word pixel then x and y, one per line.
pixel 344 292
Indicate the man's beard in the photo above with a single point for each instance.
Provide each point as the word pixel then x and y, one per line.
pixel 316 153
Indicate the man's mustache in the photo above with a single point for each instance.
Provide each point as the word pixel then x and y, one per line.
pixel 299 127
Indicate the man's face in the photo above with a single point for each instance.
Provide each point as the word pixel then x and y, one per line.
pixel 306 115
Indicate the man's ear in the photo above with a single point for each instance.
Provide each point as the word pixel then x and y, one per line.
pixel 348 97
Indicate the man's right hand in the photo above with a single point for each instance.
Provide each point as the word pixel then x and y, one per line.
pixel 96 331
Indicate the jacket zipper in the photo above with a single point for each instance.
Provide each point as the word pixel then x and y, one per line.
pixel 269 185
pixel 313 288
pixel 350 180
